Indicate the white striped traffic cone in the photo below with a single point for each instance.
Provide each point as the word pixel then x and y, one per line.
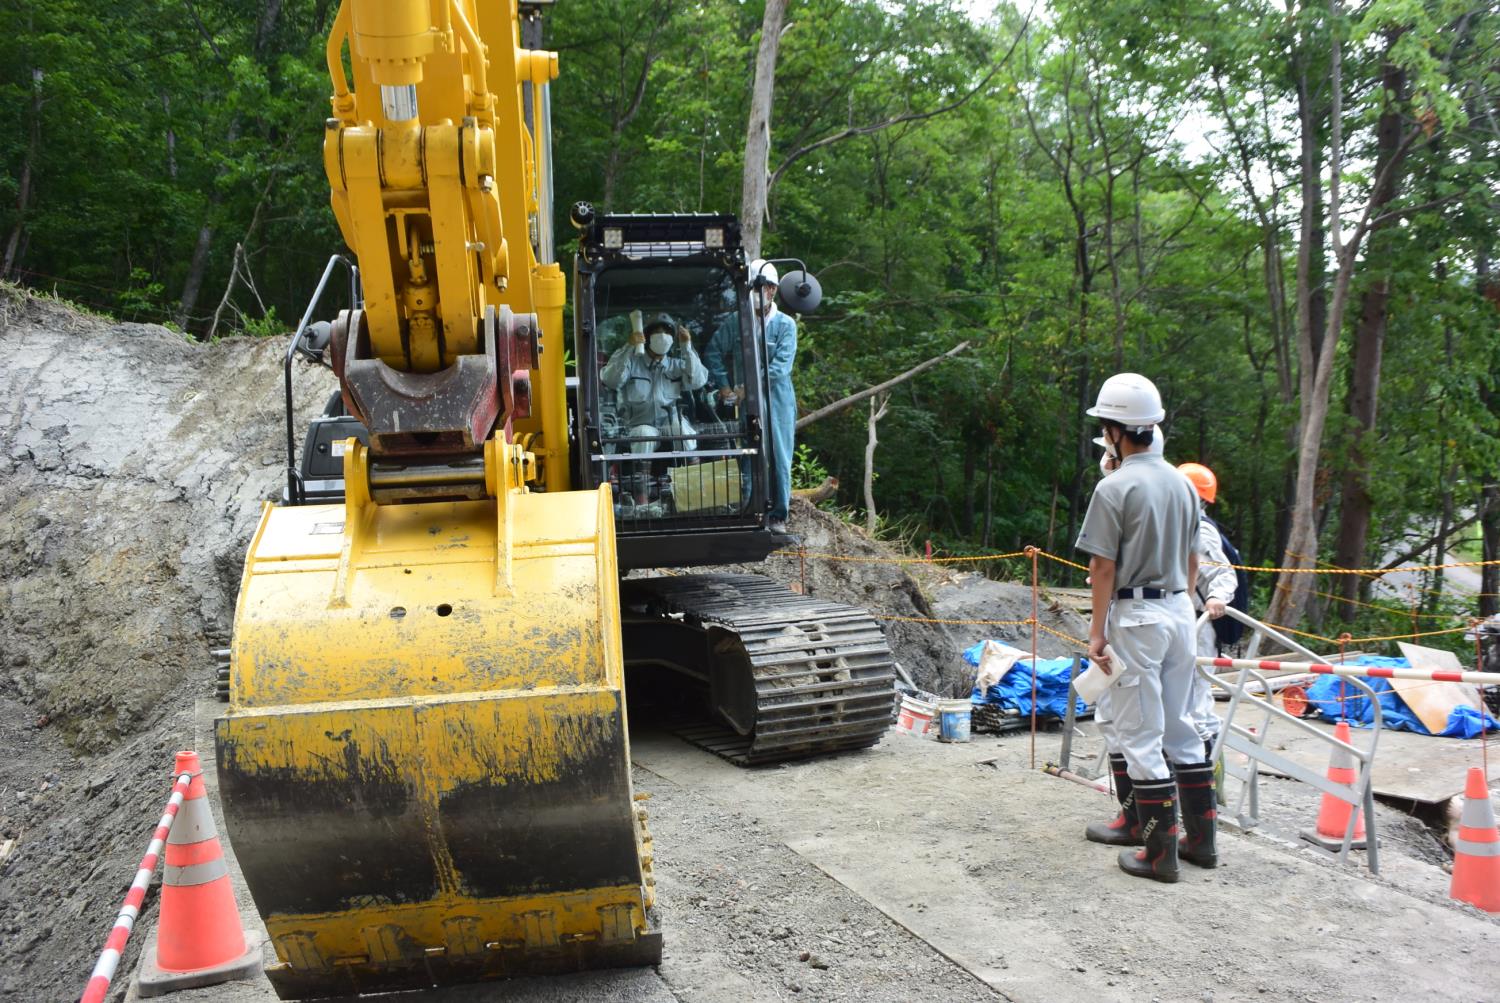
pixel 1476 852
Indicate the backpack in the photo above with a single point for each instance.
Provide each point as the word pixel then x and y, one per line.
pixel 1228 630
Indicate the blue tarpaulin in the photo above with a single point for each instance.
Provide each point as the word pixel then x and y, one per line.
pixel 1014 688
pixel 1326 692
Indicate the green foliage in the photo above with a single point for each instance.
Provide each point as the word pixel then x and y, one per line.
pixel 269 326
pixel 145 297
pixel 807 472
pixel 1111 186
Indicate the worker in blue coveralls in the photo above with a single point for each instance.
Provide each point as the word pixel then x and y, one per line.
pixel 781 352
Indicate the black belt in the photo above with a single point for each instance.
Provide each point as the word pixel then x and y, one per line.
pixel 1148 593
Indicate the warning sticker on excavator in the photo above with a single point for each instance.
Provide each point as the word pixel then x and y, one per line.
pixel 332 528
pixel 337 446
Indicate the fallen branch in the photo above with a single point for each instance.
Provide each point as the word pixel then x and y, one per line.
pixel 822 492
pixel 1394 563
pixel 879 388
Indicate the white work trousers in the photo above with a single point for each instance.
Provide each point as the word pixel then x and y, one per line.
pixel 1201 702
pixel 1148 711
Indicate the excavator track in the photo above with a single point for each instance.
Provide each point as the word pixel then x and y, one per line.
pixel 790 675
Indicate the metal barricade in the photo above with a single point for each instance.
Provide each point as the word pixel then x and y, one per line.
pixel 1252 742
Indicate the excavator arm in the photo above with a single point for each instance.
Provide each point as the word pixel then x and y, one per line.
pixel 437 185
pixel 425 762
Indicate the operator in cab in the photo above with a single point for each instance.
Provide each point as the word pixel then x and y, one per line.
pixel 650 372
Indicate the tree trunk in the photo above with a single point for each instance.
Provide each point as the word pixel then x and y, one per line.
pixel 1369 343
pixel 23 195
pixel 1489 520
pixel 1489 526
pixel 878 408
pixel 758 130
pixel 989 493
pixel 171 136
pixel 879 388
pixel 971 470
pixel 1301 546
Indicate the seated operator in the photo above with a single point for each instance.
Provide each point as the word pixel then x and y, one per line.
pixel 649 375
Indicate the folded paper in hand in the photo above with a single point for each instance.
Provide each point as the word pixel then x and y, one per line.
pixel 1093 682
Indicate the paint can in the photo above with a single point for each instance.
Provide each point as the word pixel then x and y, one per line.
pixel 915 717
pixel 953 720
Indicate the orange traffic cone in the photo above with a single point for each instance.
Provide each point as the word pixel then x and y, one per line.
pixel 1476 860
pixel 1333 816
pixel 199 940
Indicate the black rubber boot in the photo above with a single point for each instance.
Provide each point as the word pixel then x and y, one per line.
pixel 1195 785
pixel 1156 808
pixel 1124 830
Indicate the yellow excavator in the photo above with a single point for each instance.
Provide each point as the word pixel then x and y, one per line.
pixel 424 760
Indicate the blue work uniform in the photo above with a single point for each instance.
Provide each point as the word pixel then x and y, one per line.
pixel 721 356
pixel 781 352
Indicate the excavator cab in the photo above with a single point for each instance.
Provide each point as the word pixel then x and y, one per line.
pixel 678 436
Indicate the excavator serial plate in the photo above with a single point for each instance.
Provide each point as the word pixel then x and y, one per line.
pixel 424 764
pixel 790 675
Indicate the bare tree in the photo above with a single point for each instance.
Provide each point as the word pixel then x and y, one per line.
pixel 879 388
pixel 1369 343
pixel 756 179
pixel 23 195
pixel 879 406
pixel 1317 346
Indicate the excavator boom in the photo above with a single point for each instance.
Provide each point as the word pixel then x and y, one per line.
pixel 424 762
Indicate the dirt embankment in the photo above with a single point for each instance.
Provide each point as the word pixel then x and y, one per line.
pixel 931 612
pixel 132 470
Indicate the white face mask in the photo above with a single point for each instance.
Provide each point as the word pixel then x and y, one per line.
pixel 764 298
pixel 661 342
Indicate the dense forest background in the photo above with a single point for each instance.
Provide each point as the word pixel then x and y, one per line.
pixel 1284 214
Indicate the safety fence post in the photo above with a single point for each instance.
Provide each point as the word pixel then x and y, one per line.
pixel 1032 552
pixel 1484 732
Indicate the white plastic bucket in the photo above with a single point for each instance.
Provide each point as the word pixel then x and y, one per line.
pixel 953 720
pixel 915 716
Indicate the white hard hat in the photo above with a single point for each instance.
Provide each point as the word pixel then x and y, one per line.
pixel 641 432
pixel 762 271
pixel 1158 445
pixel 1130 399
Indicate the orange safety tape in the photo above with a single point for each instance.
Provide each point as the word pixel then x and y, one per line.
pixel 1366 640
pixel 1066 637
pixel 991 623
pixel 897 560
pixel 1352 571
pixel 930 619
pixel 1393 610
pixel 1403 637
pixel 1062 560
pixel 1074 564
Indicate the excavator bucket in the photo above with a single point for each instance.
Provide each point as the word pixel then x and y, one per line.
pixel 424 765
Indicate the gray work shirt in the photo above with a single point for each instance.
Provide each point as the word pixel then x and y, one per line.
pixel 1144 517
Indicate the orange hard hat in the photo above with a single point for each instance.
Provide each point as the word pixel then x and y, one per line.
pixel 1203 480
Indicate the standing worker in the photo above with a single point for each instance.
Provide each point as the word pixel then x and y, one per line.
pixel 1213 592
pixel 781 352
pixel 1123 830
pixel 1140 532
